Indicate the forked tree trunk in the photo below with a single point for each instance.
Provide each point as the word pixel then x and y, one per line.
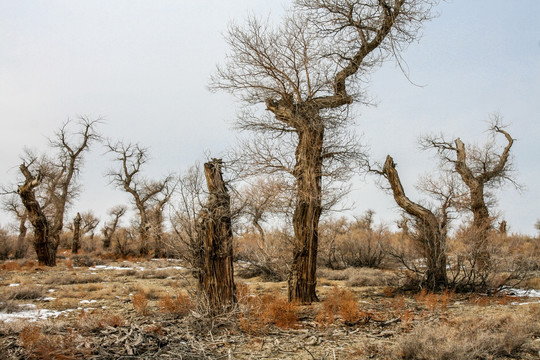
pixel 46 254
pixel 308 172
pixel 431 232
pixel 75 245
pixel 216 273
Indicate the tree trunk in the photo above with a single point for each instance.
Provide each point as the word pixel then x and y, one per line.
pixel 216 276
pixel 430 232
pixel 75 245
pixel 46 254
pixel 308 170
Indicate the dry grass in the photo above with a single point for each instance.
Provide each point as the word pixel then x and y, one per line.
pixel 140 303
pixel 179 305
pixel 467 338
pixel 24 293
pixel 343 303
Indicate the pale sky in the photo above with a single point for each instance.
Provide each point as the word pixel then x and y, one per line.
pixel 144 66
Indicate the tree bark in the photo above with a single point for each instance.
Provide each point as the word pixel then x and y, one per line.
pixel 431 232
pixel 308 171
pixel 46 254
pixel 216 276
pixel 75 245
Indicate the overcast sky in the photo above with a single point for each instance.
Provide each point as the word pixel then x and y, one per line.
pixel 144 66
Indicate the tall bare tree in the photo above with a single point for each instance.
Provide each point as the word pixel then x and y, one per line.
pixel 481 168
pixel 57 176
pixel 148 195
pixel 306 73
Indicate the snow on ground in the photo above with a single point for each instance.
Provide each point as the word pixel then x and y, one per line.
pixel 31 313
pixel 140 268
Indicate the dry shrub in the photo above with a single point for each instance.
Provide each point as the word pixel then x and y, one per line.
pixel 11 266
pixel 332 274
pixel 432 300
pixel 468 338
pixel 279 311
pixel 371 277
pixel 98 319
pixel 257 312
pixel 269 260
pixel 41 346
pixel 140 303
pixel 341 302
pixel 353 243
pixel 180 305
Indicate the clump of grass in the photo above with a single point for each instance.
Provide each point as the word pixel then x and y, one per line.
pixel 24 293
pixel 468 338
pixel 140 303
pixel 370 277
pixel 71 279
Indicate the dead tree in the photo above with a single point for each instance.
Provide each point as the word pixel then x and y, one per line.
pixel 76 242
pixel 480 169
pixel 12 204
pixel 216 276
pixel 110 227
pixel 45 250
pixel 430 229
pixel 144 192
pixel 57 177
pixel 305 72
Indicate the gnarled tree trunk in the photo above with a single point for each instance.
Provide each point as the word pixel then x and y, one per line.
pixel 46 254
pixel 308 171
pixel 75 245
pixel 216 278
pixel 430 231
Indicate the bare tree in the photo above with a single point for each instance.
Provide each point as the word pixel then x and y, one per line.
pixel 191 197
pixel 305 72
pixel 57 176
pixel 11 203
pixel 89 223
pixel 109 228
pixel 149 196
pixel 481 168
pixel 430 229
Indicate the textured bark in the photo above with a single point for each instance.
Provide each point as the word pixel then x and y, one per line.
pixel 75 245
pixel 431 231
pixel 216 274
pixel 308 172
pixel 46 254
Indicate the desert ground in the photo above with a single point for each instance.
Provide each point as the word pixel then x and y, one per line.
pixel 95 308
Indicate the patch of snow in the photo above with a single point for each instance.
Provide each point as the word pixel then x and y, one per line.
pixel 51 290
pixel 88 301
pixel 108 267
pixel 523 293
pixel 48 298
pixel 31 313
pixel 12 285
